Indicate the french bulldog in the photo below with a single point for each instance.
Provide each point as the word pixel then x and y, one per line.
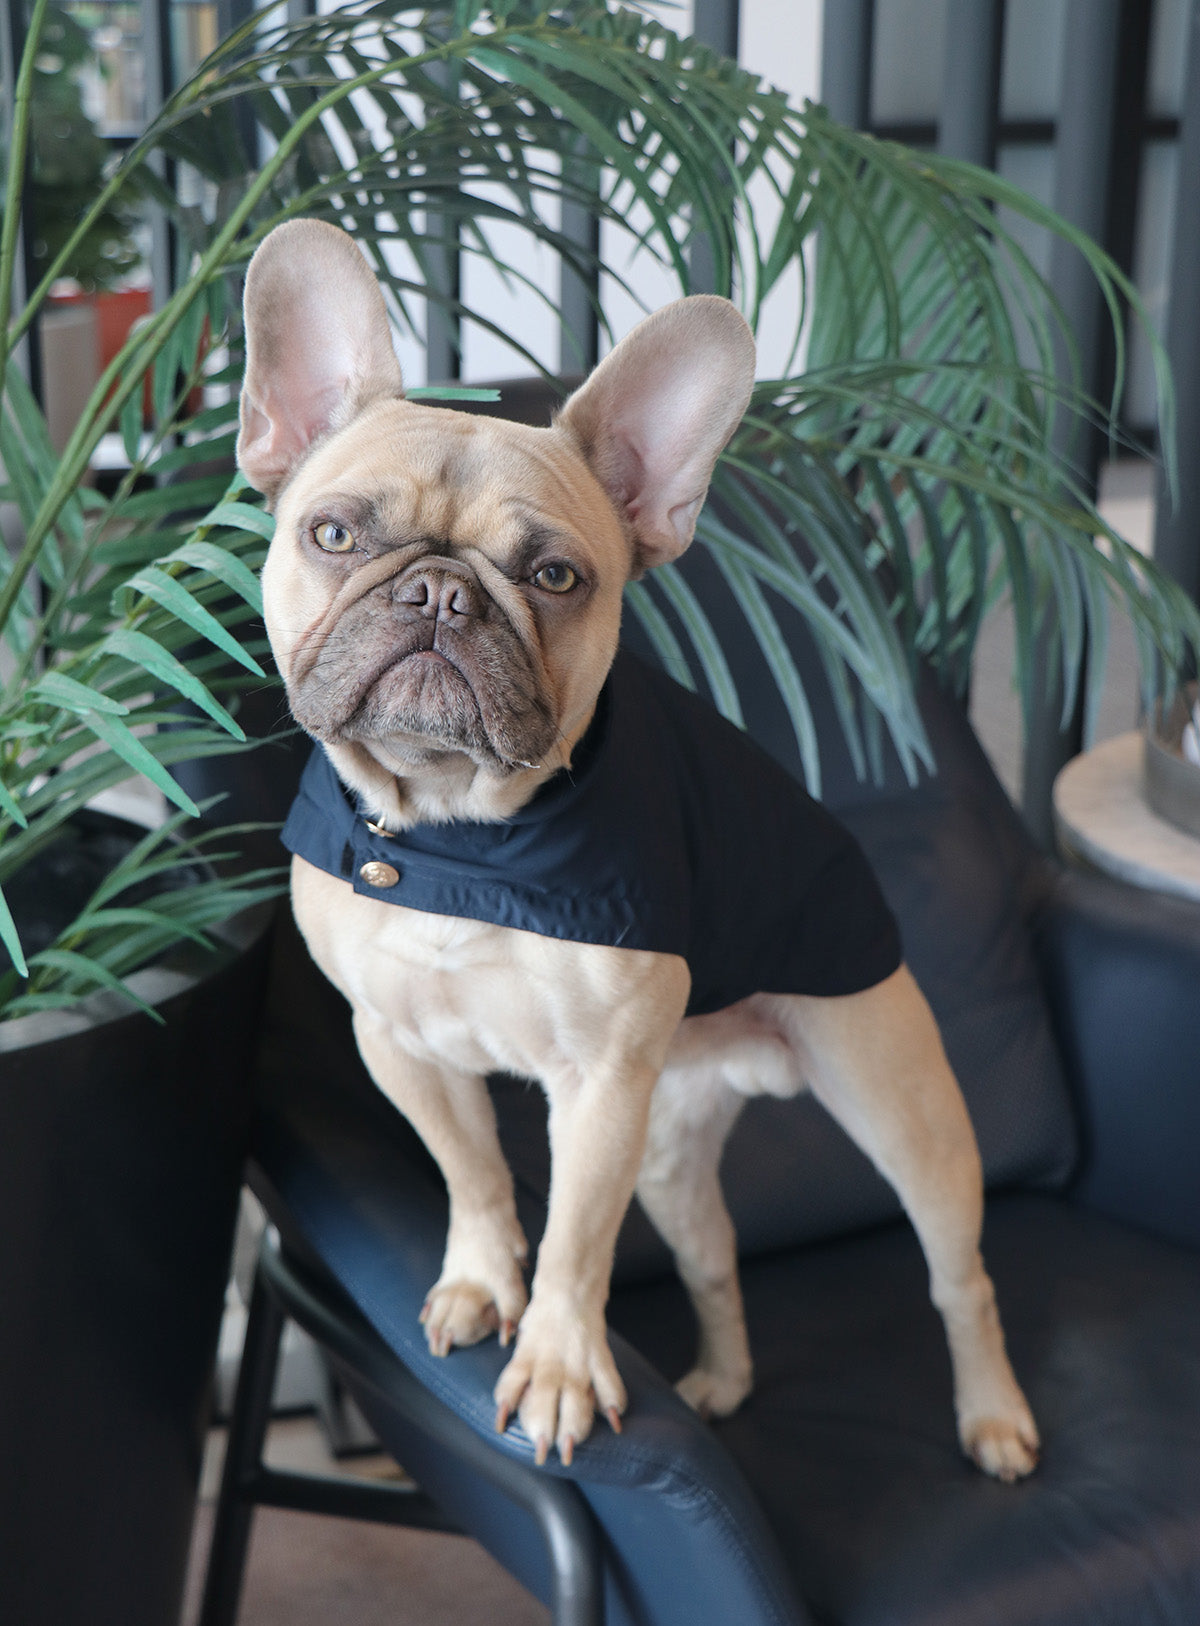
pixel 443 599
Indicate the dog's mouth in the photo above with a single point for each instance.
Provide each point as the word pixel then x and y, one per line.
pixel 417 684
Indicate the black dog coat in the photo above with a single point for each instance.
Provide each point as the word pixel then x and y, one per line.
pixel 672 831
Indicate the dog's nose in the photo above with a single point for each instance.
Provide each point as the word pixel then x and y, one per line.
pixel 440 594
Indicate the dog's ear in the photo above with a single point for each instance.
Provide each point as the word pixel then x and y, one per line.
pixel 318 347
pixel 653 417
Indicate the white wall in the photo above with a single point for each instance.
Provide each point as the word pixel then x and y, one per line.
pixel 781 40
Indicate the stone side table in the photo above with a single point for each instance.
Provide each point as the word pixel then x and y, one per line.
pixel 1102 820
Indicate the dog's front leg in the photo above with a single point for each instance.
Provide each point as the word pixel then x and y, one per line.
pixel 481 1288
pixel 562 1369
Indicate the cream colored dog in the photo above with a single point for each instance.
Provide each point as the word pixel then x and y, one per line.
pixel 520 542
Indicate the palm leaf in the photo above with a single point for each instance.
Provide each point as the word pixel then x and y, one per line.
pixel 888 494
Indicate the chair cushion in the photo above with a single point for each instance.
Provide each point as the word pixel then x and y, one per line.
pixel 849 1441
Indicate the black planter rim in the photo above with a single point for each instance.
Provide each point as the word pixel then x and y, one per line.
pixel 156 985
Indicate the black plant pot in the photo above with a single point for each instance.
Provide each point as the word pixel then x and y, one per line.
pixel 121 1152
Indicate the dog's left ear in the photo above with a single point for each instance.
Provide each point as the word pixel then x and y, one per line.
pixel 654 416
pixel 318 347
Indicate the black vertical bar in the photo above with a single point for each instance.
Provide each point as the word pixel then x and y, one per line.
pixel 714 23
pixel 243 1458
pixel 970 107
pixel 846 47
pixel 232 14
pixel 443 328
pixel 159 82
pixel 1177 521
pixel 578 290
pixel 1129 119
pixel 1084 161
pixel 1082 194
pixel 28 355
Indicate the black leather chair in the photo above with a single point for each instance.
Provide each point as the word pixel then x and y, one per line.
pixel 1071 1011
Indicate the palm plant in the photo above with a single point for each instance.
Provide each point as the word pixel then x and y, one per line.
pixel 894 484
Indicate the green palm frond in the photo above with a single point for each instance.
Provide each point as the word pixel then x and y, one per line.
pixel 895 475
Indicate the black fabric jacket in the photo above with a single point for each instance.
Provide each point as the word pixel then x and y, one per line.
pixel 672 831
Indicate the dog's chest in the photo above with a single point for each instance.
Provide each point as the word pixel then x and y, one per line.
pixel 463 993
pixel 470 1034
pixel 480 998
pixel 454 993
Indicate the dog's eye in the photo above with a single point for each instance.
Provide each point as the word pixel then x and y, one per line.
pixel 333 538
pixel 556 578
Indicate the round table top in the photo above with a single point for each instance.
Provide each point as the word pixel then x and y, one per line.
pixel 1102 818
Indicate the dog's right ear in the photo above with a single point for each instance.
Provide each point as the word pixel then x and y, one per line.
pixel 654 416
pixel 318 347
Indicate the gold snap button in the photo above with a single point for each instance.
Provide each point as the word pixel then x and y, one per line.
pixel 377 873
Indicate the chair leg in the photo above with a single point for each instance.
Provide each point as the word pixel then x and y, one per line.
pixel 243 1458
pixel 282 1291
pixel 566 1522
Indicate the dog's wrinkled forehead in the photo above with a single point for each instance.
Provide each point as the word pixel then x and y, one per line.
pixel 402 474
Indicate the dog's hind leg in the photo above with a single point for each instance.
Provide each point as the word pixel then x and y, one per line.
pixel 481 1288
pixel 714 1063
pixel 875 1060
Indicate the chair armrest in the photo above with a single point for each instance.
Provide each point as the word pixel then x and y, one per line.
pixel 1122 970
pixel 353 1196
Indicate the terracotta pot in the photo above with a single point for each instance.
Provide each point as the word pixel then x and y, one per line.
pixel 113 313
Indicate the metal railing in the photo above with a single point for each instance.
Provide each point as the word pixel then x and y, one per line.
pixel 1099 135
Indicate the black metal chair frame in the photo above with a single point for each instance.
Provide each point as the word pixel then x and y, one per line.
pixel 284 1288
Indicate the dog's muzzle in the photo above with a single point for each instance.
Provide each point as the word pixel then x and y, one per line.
pixel 425 653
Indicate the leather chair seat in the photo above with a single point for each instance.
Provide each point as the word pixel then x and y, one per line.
pixel 838 1493
pixel 849 1440
pixel 862 1505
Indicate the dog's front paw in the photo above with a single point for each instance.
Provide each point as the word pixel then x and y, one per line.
pixel 712 1393
pixel 463 1312
pixel 481 1289
pixel 561 1373
pixel 1008 1448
